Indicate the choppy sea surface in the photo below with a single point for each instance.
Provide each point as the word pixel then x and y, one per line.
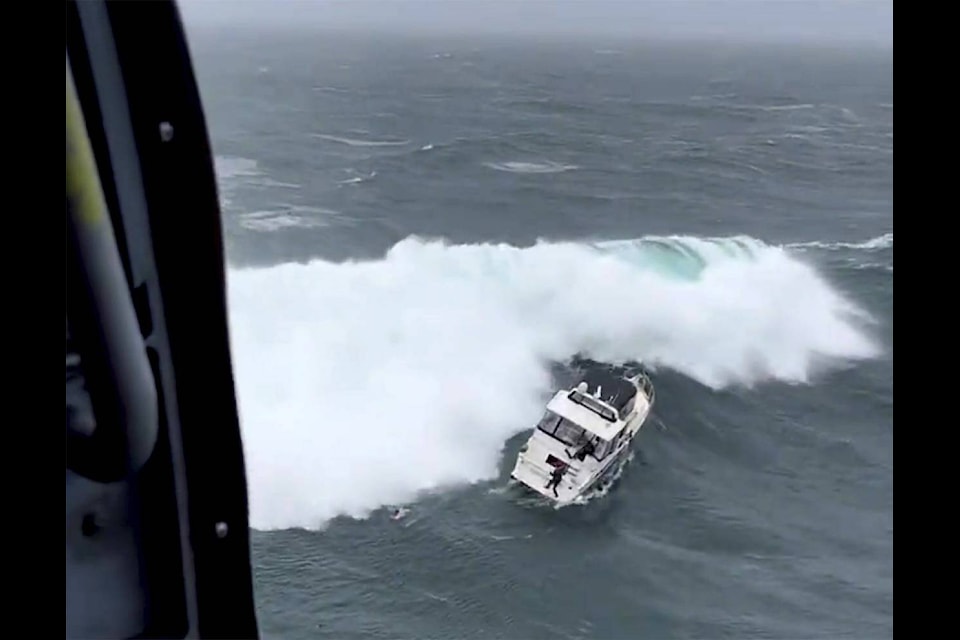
pixel 425 235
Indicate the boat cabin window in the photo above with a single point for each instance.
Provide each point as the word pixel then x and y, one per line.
pixel 602 448
pixel 594 405
pixel 562 429
pixel 569 433
pixel 548 423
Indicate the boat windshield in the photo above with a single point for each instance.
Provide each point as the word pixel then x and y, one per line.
pixel 562 429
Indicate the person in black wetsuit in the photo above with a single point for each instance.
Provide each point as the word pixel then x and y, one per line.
pixel 555 479
pixel 586 450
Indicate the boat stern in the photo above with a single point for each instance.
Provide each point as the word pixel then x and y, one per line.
pixel 536 473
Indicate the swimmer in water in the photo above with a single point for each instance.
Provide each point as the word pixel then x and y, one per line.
pixel 398 513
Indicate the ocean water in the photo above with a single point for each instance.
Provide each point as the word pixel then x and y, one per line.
pixel 423 238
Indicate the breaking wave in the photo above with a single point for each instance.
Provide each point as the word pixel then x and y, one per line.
pixel 362 384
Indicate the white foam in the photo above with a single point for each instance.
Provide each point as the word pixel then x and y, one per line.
pixel 362 384
pixel 286 218
pixel 235 172
pixel 359 179
pixel 232 167
pixel 884 241
pixel 782 107
pixel 356 142
pixel 231 172
pixel 530 167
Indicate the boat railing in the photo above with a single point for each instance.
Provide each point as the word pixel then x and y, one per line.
pixel 646 385
pixel 547 470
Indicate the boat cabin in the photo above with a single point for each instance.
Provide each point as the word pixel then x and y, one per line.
pixel 589 418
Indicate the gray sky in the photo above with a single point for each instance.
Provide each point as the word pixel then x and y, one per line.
pixel 834 21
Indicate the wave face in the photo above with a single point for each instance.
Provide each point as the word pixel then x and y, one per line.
pixel 363 384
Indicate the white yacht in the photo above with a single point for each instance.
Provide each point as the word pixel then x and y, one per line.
pixel 584 434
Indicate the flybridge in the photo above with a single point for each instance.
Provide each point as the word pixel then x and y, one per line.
pixel 580 397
